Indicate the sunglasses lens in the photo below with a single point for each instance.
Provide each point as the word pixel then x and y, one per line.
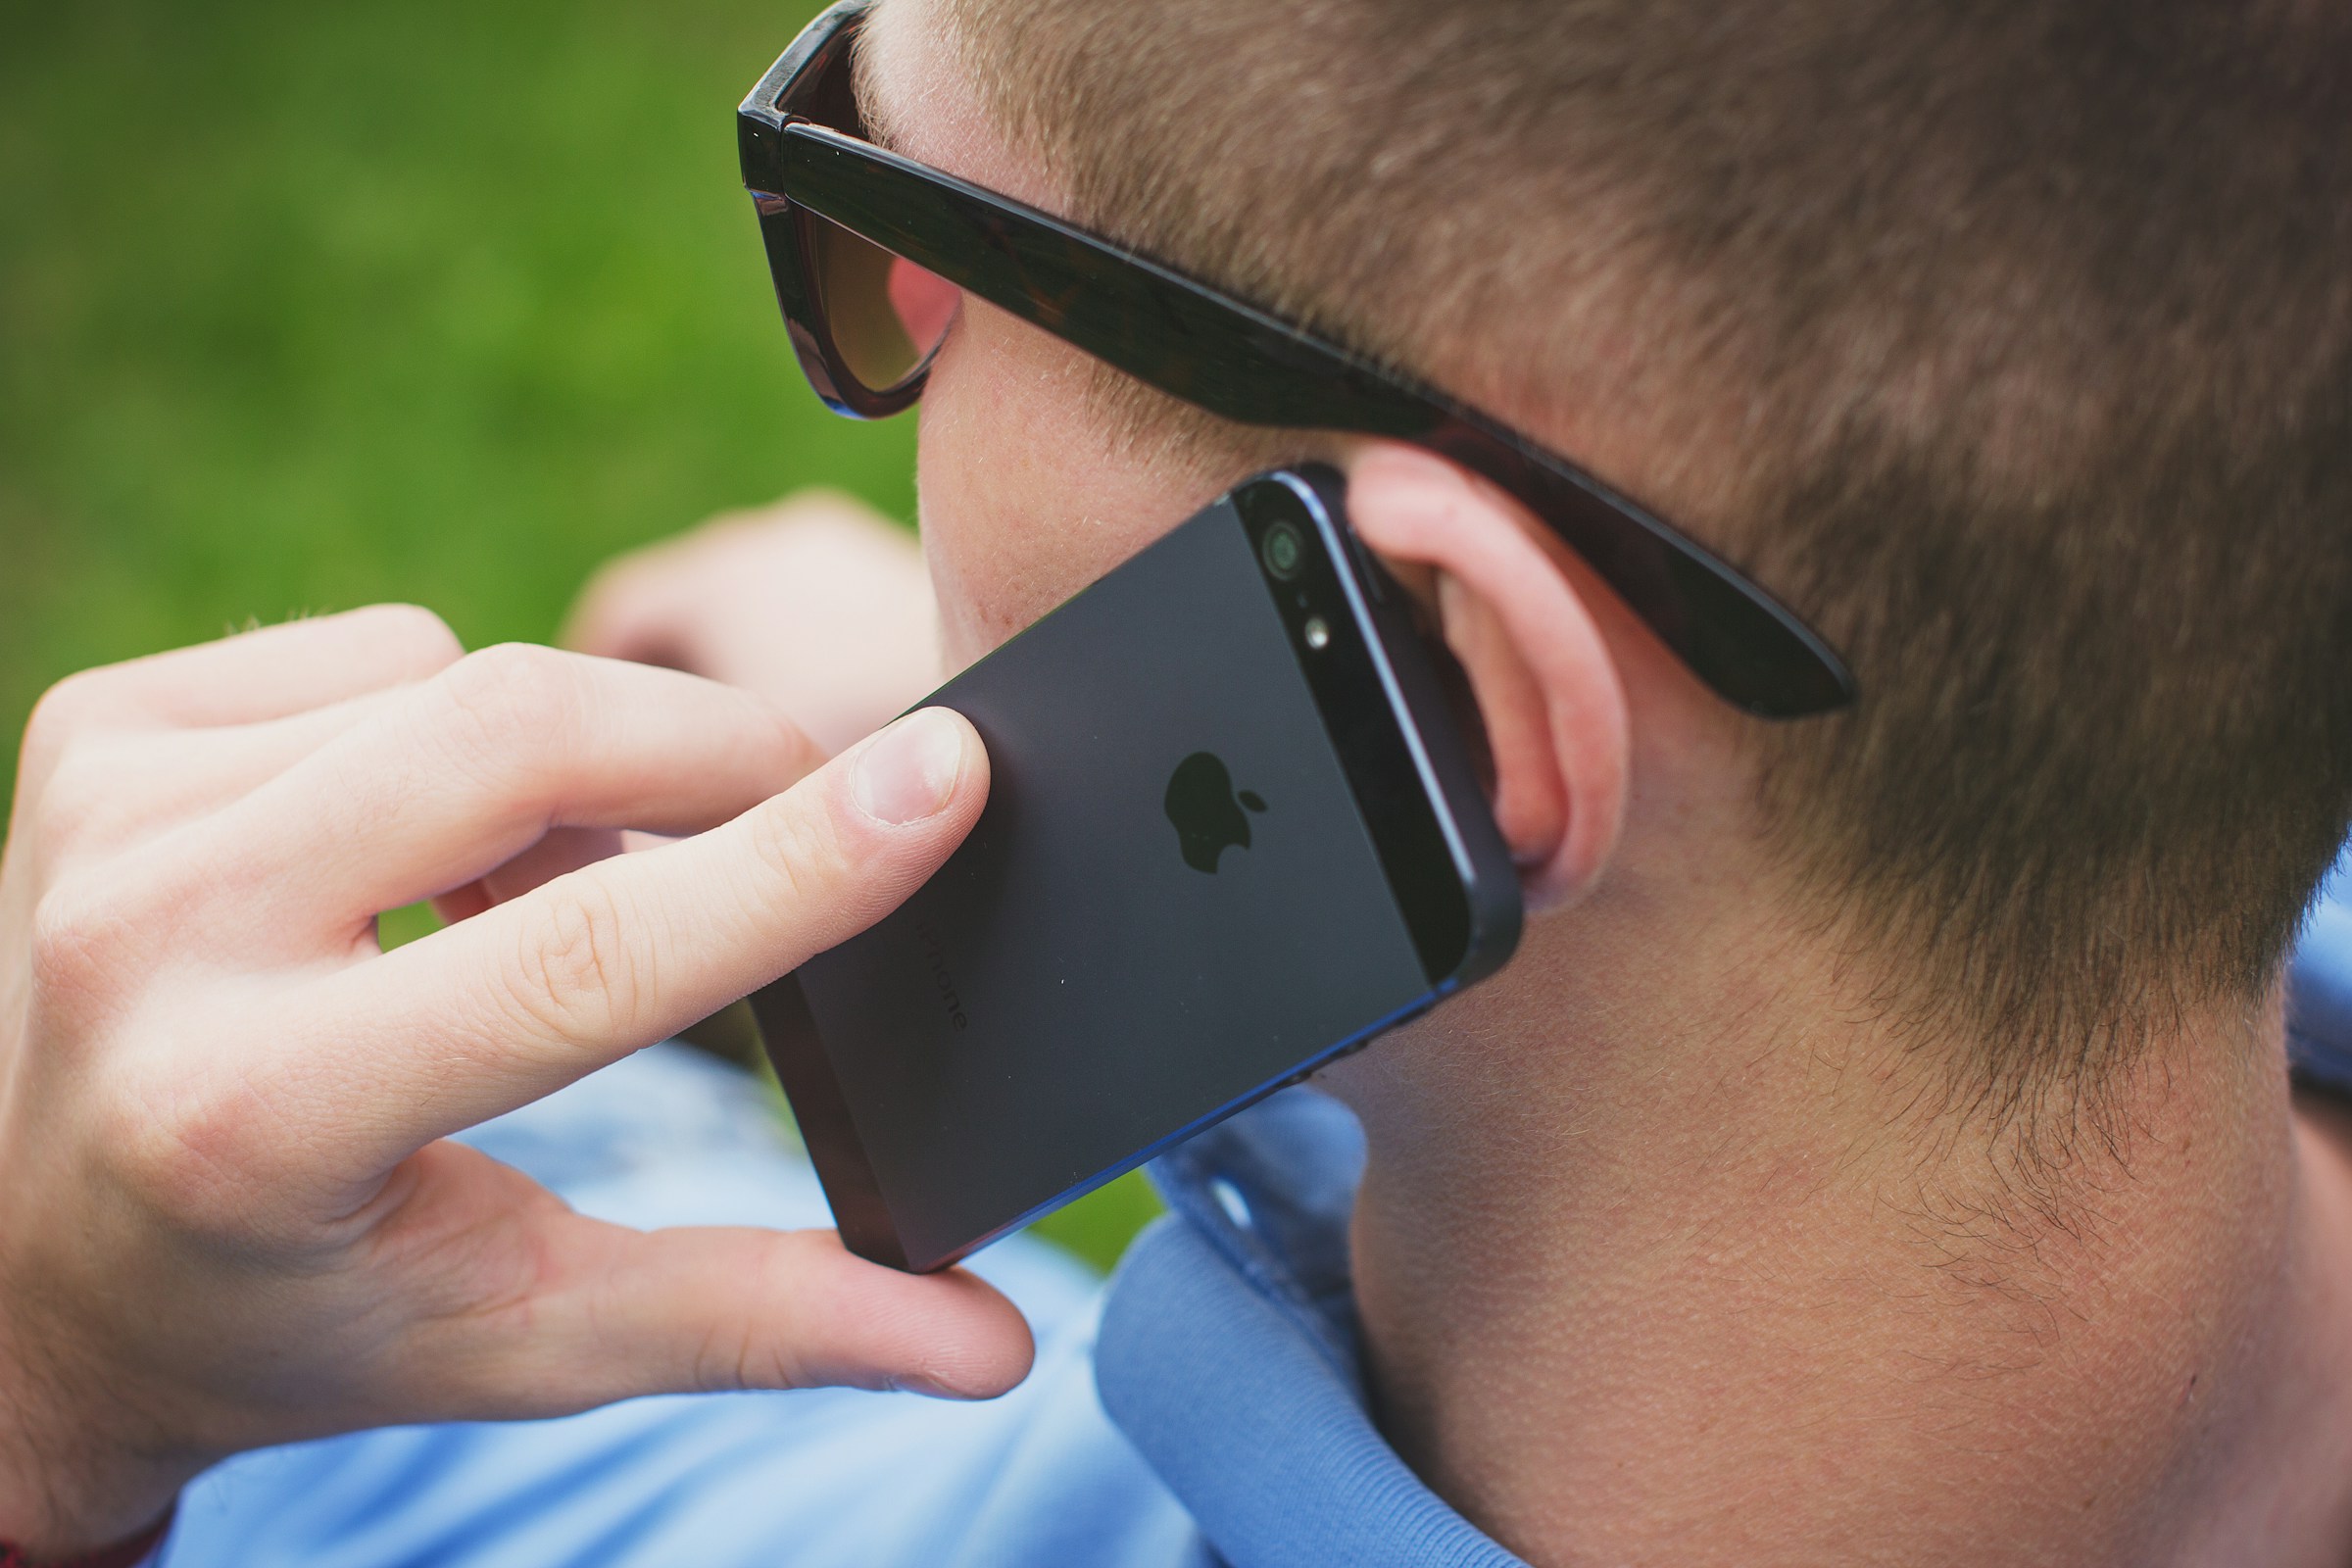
pixel 887 315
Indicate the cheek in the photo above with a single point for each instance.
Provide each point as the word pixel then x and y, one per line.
pixel 1023 501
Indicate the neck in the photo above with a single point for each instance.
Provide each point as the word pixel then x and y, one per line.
pixel 1657 1262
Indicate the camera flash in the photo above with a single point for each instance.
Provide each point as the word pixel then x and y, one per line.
pixel 1319 635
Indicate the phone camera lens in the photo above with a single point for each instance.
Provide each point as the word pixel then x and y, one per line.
pixel 1284 551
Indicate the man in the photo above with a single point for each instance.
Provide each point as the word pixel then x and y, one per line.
pixel 1881 1149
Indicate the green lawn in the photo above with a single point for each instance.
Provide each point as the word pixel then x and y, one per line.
pixel 307 306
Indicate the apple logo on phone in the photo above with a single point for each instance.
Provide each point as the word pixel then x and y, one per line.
pixel 1206 811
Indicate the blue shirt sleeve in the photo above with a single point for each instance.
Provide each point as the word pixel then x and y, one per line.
pixel 2319 997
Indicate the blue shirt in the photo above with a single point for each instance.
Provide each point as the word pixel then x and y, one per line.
pixel 1203 1409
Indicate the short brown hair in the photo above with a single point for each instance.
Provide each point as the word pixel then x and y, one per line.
pixel 2011 344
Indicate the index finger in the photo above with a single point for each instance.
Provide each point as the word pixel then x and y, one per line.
pixel 523 999
pixel 268 672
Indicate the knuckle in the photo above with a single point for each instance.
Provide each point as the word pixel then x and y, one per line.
pixel 194 1159
pixel 101 790
pixel 511 680
pixel 97 933
pixel 505 693
pixel 65 711
pixel 82 940
pixel 728 1360
pixel 797 754
pixel 743 1350
pixel 572 974
pixel 413 636
pixel 78 797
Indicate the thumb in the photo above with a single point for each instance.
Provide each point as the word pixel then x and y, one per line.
pixel 694 1309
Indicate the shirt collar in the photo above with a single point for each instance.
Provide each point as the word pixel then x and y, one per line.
pixel 1228 1355
pixel 2319 993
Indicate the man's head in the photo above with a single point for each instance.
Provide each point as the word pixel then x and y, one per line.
pixel 2011 346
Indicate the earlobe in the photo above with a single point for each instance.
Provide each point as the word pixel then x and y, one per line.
pixel 1546 683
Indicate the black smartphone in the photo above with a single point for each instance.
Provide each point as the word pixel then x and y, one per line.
pixel 1235 829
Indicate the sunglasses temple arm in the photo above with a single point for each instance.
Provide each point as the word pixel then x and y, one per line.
pixel 1741 642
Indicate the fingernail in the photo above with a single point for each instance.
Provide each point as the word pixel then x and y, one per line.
pixel 918 1383
pixel 910 770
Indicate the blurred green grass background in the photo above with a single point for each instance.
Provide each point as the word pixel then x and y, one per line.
pixel 304 307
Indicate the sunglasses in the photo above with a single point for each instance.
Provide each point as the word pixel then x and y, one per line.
pixel 872 253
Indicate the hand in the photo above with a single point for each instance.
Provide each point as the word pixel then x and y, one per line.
pixel 228 1214
pixel 818 604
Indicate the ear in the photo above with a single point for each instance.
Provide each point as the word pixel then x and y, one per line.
pixel 1547 684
